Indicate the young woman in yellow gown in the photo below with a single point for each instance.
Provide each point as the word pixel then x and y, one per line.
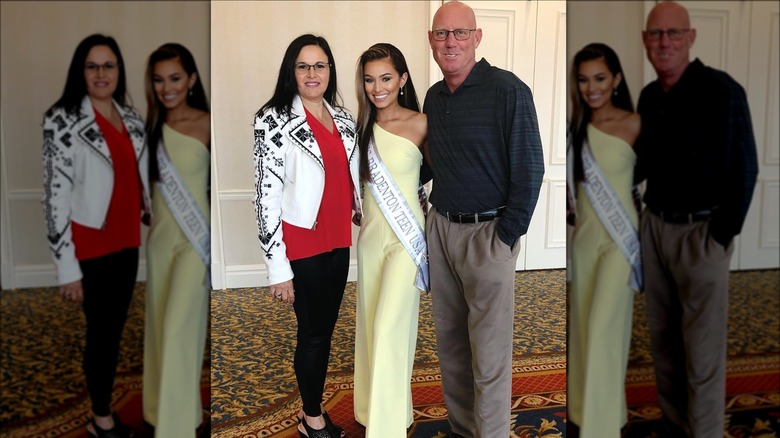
pixel 601 300
pixel 177 298
pixel 388 301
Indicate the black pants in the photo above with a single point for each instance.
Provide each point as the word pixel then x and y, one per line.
pixel 108 283
pixel 319 286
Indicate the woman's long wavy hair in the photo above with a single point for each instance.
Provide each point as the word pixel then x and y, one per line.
pixel 156 113
pixel 581 112
pixel 76 83
pixel 366 110
pixel 286 85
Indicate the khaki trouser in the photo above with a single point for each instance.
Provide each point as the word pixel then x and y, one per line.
pixel 472 288
pixel 686 287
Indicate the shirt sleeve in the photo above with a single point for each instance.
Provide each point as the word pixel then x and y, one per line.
pixel 742 168
pixel 58 177
pixel 269 159
pixel 526 163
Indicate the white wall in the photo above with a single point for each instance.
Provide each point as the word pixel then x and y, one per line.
pixel 617 24
pixel 37 43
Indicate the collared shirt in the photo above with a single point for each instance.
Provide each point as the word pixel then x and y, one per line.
pixel 697 149
pixel 485 147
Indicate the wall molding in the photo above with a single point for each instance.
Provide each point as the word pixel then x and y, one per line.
pixel 255 275
pixel 45 275
pixel 236 195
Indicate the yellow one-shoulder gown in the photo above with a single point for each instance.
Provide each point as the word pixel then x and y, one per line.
pixel 601 302
pixel 387 303
pixel 177 302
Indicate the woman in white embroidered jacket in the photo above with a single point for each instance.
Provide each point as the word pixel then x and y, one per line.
pixel 178 130
pixel 95 194
pixel 601 298
pixel 306 170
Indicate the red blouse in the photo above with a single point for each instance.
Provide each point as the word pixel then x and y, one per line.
pixel 122 227
pixel 333 228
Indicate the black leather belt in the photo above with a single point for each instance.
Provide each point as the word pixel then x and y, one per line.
pixel 473 218
pixel 675 217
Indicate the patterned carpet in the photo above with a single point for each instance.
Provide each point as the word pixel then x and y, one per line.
pixel 254 391
pixel 754 317
pixel 41 344
pixel 252 340
pixel 539 378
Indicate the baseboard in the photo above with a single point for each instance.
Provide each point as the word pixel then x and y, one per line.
pixel 241 276
pixel 45 275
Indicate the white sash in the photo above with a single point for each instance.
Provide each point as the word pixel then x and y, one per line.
pixel 613 215
pixel 399 215
pixel 184 208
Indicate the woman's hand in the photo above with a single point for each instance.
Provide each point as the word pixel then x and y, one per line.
pixel 72 291
pixel 283 292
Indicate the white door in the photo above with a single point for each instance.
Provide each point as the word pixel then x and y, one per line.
pixel 546 238
pixel 529 39
pixel 747 49
pixel 760 246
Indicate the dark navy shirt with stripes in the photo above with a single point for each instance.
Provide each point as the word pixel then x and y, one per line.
pixel 485 148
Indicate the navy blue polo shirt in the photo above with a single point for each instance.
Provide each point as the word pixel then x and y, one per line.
pixel 485 147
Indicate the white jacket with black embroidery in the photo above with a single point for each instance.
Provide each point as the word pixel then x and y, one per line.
pixel 78 177
pixel 290 178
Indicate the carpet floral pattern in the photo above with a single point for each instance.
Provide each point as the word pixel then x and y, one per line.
pixel 537 410
pixel 253 339
pixel 40 329
pixel 754 317
pixel 41 347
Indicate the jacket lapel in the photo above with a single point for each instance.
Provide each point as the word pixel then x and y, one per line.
pixel 301 134
pixel 135 127
pixel 88 131
pixel 346 130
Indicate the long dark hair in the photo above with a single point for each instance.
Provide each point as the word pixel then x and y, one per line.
pixel 76 84
pixel 581 112
pixel 287 86
pixel 366 110
pixel 156 113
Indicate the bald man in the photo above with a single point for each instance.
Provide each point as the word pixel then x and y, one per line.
pixel 486 154
pixel 698 154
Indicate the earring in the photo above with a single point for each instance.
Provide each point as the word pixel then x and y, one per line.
pixel 402 91
pixel 614 91
pixel 190 92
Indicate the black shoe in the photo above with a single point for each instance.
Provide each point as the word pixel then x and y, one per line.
pixel 572 430
pixel 118 431
pixel 204 430
pixel 313 433
pixel 334 430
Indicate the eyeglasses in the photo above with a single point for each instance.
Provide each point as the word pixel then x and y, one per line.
pixel 674 34
pixel 94 68
pixel 303 68
pixel 460 34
